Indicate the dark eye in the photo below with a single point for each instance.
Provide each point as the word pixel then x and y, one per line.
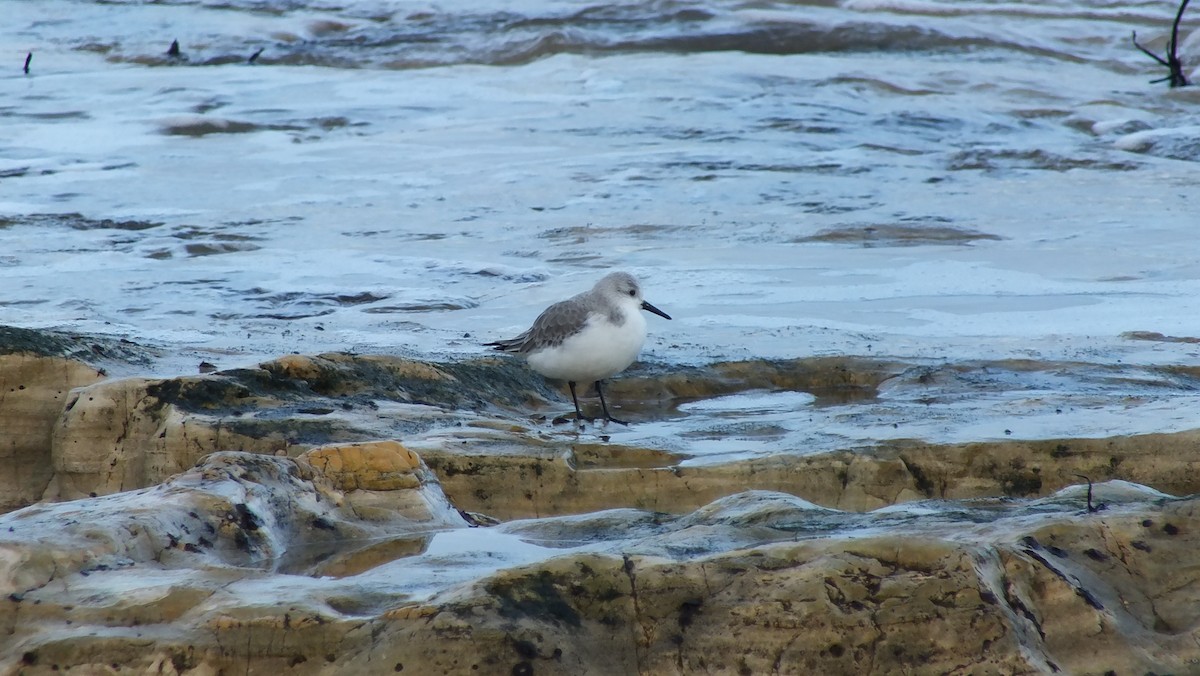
pixel 633 292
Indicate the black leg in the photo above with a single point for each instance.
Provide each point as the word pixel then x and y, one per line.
pixel 604 406
pixel 578 414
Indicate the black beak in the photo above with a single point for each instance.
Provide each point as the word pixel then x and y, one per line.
pixel 651 308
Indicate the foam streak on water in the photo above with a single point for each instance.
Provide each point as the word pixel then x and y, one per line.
pixel 875 177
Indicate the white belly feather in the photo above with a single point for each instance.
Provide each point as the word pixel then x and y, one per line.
pixel 600 350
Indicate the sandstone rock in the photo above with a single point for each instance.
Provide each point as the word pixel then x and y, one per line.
pixel 329 546
pixel 125 434
pixel 374 465
pixel 233 509
pixel 33 392
pixel 374 476
pixel 128 433
pixel 986 587
pixel 498 476
pixel 830 378
pixel 758 582
pixel 211 549
pixel 37 371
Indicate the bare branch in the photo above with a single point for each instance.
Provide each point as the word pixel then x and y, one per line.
pixel 1178 79
pixel 1175 76
pixel 1149 53
pixel 1175 26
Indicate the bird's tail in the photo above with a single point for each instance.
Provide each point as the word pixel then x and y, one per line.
pixel 509 345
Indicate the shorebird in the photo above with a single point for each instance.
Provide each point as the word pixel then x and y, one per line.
pixel 587 338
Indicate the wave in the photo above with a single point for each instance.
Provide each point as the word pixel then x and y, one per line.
pixel 362 37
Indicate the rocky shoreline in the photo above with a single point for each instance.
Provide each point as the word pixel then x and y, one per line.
pixel 378 514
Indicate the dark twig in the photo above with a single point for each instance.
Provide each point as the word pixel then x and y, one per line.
pixel 1175 28
pixel 255 55
pixel 28 58
pixel 1175 76
pixel 1149 53
pixel 1091 509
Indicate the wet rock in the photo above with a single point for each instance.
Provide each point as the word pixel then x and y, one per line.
pixel 124 434
pixel 74 221
pixel 758 582
pixel 339 512
pixel 830 379
pixel 211 552
pixel 1155 336
pixel 130 433
pixel 555 480
pixel 379 477
pixel 467 420
pixel 33 391
pixel 892 592
pixel 498 477
pixel 1178 143
pixel 232 509
pixel 377 465
pixel 993 160
pixel 899 234
pixel 38 369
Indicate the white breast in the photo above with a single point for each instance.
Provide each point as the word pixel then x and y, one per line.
pixel 602 349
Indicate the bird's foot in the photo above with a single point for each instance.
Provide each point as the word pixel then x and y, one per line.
pixel 619 422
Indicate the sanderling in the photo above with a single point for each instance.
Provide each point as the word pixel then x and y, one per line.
pixel 587 338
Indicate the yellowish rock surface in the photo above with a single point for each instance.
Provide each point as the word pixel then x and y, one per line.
pixel 122 434
pixel 1004 587
pixel 372 465
pixel 574 478
pixel 33 392
pixel 328 545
